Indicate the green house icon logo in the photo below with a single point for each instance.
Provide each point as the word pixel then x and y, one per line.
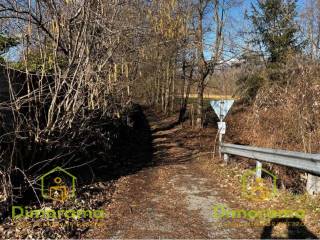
pixel 58 185
pixel 256 188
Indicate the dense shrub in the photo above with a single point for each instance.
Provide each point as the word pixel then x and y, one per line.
pixel 249 85
pixel 284 115
pixel 96 147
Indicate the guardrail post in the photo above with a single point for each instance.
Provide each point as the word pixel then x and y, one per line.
pixel 313 184
pixel 258 169
pixel 226 158
pixel 220 142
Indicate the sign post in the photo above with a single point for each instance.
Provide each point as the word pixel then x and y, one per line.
pixel 221 108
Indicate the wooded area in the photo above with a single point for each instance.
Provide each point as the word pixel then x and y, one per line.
pixel 72 72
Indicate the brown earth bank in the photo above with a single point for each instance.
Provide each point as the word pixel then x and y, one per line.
pixel 175 196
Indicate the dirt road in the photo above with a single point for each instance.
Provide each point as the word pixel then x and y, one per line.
pixel 174 196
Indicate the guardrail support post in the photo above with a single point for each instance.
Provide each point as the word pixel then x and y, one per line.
pixel 220 142
pixel 313 184
pixel 258 169
pixel 226 158
pixel 308 162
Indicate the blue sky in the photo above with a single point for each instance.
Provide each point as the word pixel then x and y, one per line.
pixel 238 23
pixel 246 4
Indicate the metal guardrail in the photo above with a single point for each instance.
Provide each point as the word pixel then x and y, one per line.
pixel 303 161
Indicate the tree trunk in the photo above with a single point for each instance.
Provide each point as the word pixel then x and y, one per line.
pixel 202 68
pixel 167 90
pixel 173 93
pixel 158 91
pixel 184 103
pixel 185 93
pixel 200 104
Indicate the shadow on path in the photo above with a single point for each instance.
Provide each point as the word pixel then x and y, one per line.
pixel 296 229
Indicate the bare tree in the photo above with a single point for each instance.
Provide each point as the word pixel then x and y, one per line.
pixel 311 21
pixel 79 61
pixel 205 66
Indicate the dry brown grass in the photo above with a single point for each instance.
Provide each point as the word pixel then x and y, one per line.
pixel 283 116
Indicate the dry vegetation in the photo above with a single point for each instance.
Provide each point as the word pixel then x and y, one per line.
pixel 68 97
pixel 83 63
pixel 282 115
pixel 286 113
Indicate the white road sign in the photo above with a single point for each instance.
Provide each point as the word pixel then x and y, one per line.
pixel 221 107
pixel 222 127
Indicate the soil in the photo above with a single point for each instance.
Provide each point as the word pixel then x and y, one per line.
pixel 173 192
pixel 174 196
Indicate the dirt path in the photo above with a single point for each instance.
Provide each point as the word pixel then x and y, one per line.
pixel 173 197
